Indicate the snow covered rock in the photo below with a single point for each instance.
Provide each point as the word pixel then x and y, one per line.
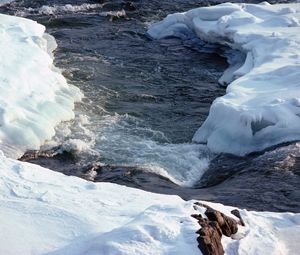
pixel 34 96
pixel 261 107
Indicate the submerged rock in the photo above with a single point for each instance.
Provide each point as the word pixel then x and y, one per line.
pixel 118 5
pixel 69 162
pixel 130 6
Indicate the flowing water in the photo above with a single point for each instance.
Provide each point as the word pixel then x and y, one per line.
pixel 143 102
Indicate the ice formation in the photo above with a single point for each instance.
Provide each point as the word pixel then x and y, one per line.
pixel 261 107
pixel 34 97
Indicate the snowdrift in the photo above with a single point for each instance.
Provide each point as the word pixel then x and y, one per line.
pixel 45 212
pixel 34 97
pixel 261 107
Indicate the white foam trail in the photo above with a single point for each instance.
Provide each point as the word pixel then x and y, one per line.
pixel 117 14
pixel 58 9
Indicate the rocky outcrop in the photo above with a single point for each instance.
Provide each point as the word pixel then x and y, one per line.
pixel 210 234
pixel 213 227
pixel 228 225
pixel 237 214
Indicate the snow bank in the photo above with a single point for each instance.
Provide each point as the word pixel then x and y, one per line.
pixel 34 97
pixel 262 105
pixel 45 212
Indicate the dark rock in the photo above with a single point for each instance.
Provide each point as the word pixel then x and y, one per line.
pixel 202 205
pixel 119 5
pixel 210 235
pixel 227 224
pixel 237 214
pixel 56 153
pixel 209 240
pixel 129 6
pixel 92 169
pixel 212 228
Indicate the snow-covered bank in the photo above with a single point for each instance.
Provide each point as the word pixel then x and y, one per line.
pixel 262 104
pixel 45 212
pixel 34 97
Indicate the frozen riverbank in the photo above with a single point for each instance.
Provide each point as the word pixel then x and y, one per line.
pixel 35 97
pixel 261 105
pixel 42 211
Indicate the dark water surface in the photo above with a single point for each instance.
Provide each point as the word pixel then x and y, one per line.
pixel 143 102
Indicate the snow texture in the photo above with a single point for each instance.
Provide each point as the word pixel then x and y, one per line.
pixel 261 107
pixel 34 97
pixel 45 212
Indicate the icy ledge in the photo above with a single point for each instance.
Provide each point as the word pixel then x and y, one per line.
pixel 45 212
pixel 261 107
pixel 34 96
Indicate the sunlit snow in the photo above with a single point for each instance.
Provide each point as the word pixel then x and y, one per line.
pixel 261 107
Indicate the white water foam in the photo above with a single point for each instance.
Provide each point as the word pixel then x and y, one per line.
pixel 117 14
pixel 120 139
pixel 69 8
pixel 59 9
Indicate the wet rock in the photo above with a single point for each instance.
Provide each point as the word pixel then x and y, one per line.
pixel 56 159
pixel 129 6
pixel 92 169
pixel 119 5
pixel 56 153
